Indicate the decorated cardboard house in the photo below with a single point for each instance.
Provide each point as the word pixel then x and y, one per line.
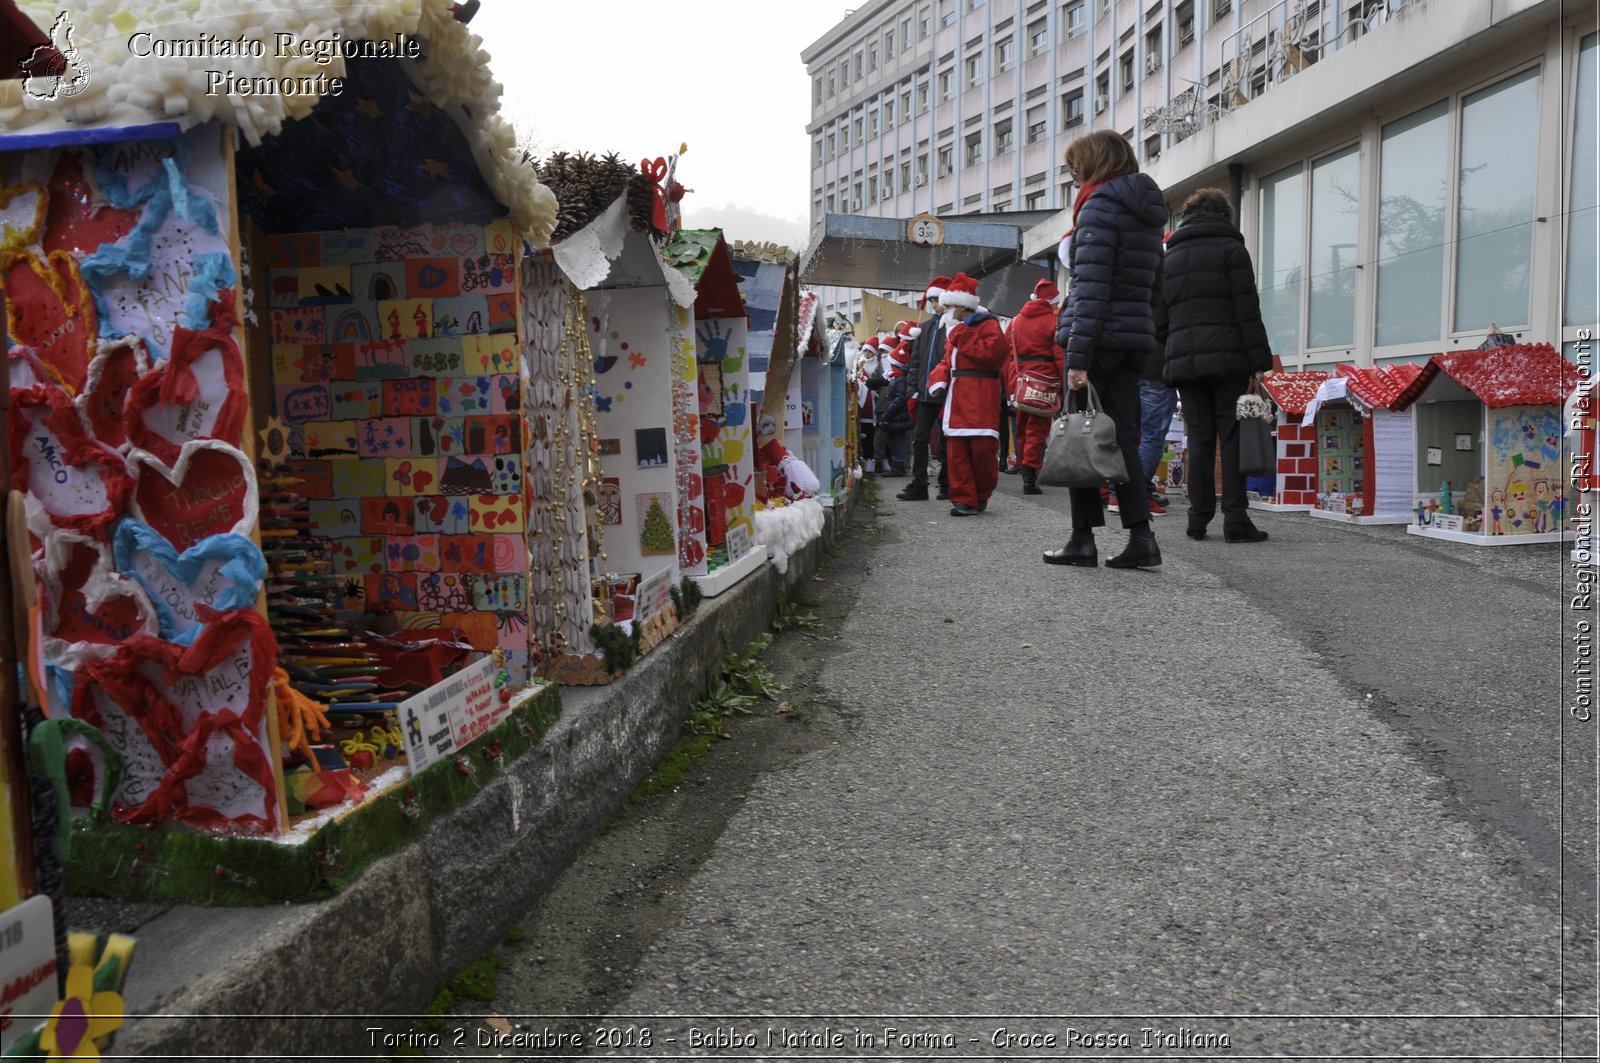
pixel 719 533
pixel 1364 445
pixel 200 283
pixel 1492 463
pixel 1295 482
pixel 825 424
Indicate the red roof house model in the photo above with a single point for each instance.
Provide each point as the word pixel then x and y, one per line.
pixel 1525 374
pixel 1379 387
pixel 1292 391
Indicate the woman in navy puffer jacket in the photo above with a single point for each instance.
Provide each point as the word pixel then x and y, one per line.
pixel 1107 326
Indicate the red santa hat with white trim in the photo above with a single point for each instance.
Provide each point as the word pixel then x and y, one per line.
pixel 1046 291
pixel 907 330
pixel 962 291
pixel 931 294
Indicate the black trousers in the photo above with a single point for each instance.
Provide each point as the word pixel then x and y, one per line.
pixel 868 440
pixel 1119 399
pixel 1209 419
pixel 926 436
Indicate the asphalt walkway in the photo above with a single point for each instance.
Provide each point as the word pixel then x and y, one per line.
pixel 1310 798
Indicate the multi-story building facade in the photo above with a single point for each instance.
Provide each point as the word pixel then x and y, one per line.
pixel 1408 171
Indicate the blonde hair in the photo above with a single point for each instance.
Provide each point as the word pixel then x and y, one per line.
pixel 1100 156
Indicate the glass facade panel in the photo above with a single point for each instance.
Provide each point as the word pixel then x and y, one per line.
pixel 1583 247
pixel 1411 224
pixel 1499 164
pixel 1283 197
pixel 1335 188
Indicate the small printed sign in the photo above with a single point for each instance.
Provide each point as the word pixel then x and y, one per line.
pixel 925 231
pixel 425 721
pixel 476 709
pixel 654 595
pixel 738 542
pixel 27 967
pixel 1451 522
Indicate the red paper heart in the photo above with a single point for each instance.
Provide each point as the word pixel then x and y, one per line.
pixel 48 308
pixel 210 490
pixel 112 373
pixel 85 600
pixel 77 481
pixel 200 708
pixel 199 393
pixel 74 222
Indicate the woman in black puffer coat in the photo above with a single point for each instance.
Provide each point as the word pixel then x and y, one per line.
pixel 1216 344
pixel 1107 326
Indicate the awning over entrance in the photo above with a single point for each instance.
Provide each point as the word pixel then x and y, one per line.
pixel 854 251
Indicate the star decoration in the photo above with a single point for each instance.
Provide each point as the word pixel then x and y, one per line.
pixel 274 440
pixel 637 360
pixel 438 169
pixel 369 108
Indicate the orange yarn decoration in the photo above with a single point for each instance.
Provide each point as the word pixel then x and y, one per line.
pixel 296 715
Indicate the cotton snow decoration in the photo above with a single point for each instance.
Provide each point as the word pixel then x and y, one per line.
pixel 125 87
pixel 786 530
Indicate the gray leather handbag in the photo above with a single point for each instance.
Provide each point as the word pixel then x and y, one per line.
pixel 1082 450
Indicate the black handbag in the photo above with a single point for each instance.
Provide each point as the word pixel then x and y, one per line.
pixel 1082 450
pixel 1258 456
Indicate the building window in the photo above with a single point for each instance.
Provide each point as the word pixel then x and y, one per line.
pixel 830 204
pixel 888 45
pixel 833 88
pixel 1184 14
pixel 922 98
pixel 1222 8
pixel 844 73
pixel 947 85
pixel 1125 69
pixel 1102 92
pixel 832 147
pixel 1002 206
pixel 1583 254
pixel 973 5
pixel 888 113
pixel 1152 51
pixel 816 151
pixel 947 12
pixel 905 177
pixel 905 105
pixel 861 66
pixel 872 57
pixel 1005 54
pixel 1152 148
pixel 872 189
pixel 925 24
pixel 1039 36
pixel 1072 109
pixel 1033 201
pixel 872 124
pixel 1283 204
pixel 816 90
pixel 1038 124
pixel 1411 222
pixel 1331 315
pixel 844 136
pixel 856 205
pixel 1494 219
pixel 922 168
pixel 860 129
pixel 1002 137
pixel 1074 19
pixel 947 164
pixel 974 152
pixel 905 33
pixel 975 70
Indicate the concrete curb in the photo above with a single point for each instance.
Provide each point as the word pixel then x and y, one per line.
pixel 311 979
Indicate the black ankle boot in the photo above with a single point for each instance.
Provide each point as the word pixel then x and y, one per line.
pixel 1030 481
pixel 1079 551
pixel 1141 551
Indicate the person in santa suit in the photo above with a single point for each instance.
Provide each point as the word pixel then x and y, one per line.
pixel 969 379
pixel 926 439
pixel 870 380
pixel 1032 348
pixel 896 402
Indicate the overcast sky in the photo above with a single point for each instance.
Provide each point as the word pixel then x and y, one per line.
pixel 639 78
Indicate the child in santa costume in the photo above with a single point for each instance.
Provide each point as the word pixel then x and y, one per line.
pixel 1031 340
pixel 869 382
pixel 969 379
pixel 897 401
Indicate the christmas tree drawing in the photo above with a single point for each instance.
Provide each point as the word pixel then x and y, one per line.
pixel 655 536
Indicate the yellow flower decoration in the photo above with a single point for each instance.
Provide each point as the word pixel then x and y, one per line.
pixel 81 1019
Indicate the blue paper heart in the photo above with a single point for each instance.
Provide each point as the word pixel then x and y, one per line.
pixel 221 571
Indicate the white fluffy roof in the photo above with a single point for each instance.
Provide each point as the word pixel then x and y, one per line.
pixel 124 89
